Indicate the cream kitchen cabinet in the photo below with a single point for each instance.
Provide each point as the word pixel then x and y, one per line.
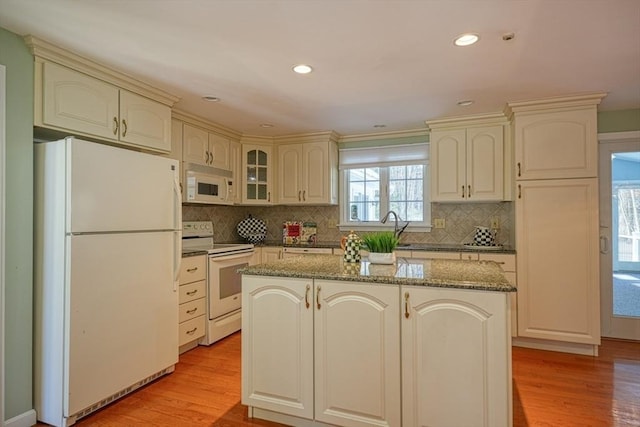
pixel 555 142
pixel 456 358
pixel 192 301
pixel 256 258
pixel 205 148
pixel 71 101
pixel 332 354
pixel 557 230
pixel 558 275
pixel 467 164
pixel 257 183
pixel 307 173
pixel 271 253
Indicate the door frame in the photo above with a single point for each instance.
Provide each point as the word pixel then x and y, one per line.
pixel 2 230
pixel 610 326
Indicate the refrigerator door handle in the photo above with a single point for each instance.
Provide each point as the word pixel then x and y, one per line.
pixel 177 245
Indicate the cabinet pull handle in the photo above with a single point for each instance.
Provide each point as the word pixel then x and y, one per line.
pixel 192 292
pixel 406 305
pixel 304 195
pixel 306 296
pixel 299 195
pixel 519 191
pixel 192 331
pixel 318 298
pixel 191 270
pixel 469 191
pixel 192 311
pixel 124 127
pixel 519 174
pixel 463 191
pixel 268 196
pixel 116 125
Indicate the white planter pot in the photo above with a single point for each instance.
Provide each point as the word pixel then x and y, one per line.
pixel 382 258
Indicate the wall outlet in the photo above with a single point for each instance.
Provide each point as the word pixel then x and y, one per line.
pixel 439 223
pixel 495 223
pixel 332 223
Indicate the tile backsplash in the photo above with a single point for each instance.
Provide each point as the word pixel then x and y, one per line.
pixel 460 221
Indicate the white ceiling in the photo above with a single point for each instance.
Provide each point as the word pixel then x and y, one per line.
pixel 387 62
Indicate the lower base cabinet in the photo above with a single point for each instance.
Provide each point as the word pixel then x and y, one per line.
pixel 354 330
pixel 456 358
pixel 330 352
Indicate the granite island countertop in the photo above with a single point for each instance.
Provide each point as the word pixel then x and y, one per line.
pixel 435 247
pixel 461 274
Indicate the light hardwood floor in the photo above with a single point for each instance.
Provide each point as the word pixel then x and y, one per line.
pixel 550 389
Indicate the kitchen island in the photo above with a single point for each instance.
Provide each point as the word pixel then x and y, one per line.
pixel 420 342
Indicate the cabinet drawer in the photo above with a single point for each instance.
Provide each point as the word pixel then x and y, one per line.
pixel 193 269
pixel 191 309
pixel 191 330
pixel 192 291
pixel 506 261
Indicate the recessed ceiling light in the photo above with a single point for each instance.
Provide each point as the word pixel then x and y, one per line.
pixel 465 103
pixel 302 69
pixel 266 125
pixel 379 126
pixel 210 98
pixel 466 39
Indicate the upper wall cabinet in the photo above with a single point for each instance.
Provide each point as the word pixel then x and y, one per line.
pixel 257 184
pixel 205 148
pixel 556 139
pixel 75 95
pixel 467 161
pixel 308 172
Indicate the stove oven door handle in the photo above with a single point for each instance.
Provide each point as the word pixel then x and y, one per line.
pixel 219 257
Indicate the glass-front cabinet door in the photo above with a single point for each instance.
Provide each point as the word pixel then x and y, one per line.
pixel 257 174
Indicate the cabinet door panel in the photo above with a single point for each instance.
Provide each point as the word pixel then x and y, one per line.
pixel 219 148
pixel 289 173
pixel 315 173
pixel 144 122
pixel 277 350
pixel 485 163
pixel 195 147
pixel 75 101
pixel 357 354
pixel 556 145
pixel 557 262
pixel 455 359
pixel 448 165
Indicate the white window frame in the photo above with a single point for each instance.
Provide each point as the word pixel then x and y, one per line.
pixel 382 159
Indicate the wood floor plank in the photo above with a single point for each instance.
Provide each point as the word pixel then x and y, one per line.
pixel 550 390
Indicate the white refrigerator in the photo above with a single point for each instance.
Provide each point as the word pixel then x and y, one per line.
pixel 107 257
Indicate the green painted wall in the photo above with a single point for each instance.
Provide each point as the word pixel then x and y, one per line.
pixel 619 121
pixel 18 61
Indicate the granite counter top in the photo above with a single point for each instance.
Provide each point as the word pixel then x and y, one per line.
pixel 478 275
pixel 436 247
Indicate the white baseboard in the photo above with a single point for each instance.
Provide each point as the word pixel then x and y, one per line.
pixel 560 346
pixel 26 419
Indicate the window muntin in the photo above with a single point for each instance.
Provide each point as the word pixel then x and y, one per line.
pixel 369 193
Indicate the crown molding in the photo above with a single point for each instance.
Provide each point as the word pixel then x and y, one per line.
pixel 198 121
pixel 383 135
pixel 45 51
pixel 307 137
pixel 558 103
pixel 495 118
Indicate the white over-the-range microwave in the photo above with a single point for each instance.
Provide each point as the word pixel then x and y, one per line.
pixel 208 185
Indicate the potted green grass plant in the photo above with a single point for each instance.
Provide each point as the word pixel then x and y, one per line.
pixel 381 246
